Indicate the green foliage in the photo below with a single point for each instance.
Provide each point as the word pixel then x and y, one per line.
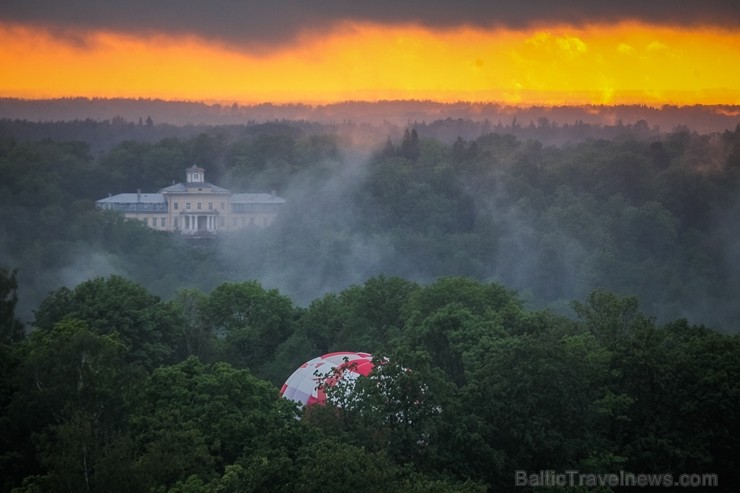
pixel 249 321
pixel 133 165
pixel 192 419
pixel 365 318
pixel 609 318
pixel 69 398
pixel 453 316
pixel 473 388
pixel 195 333
pixel 536 398
pixel 688 373
pixel 144 324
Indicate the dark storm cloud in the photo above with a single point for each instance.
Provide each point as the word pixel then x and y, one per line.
pixel 273 21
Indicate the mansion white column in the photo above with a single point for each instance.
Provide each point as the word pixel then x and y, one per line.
pixel 191 222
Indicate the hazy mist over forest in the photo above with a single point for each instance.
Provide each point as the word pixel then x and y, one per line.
pixel 552 202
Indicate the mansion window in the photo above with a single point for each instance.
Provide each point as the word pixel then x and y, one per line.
pixel 210 206
pixel 187 206
pixel 177 223
pixel 199 206
pixel 176 205
pixel 163 222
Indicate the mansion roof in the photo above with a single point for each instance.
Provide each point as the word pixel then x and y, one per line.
pixel 134 198
pixel 187 187
pixel 195 187
pixel 159 198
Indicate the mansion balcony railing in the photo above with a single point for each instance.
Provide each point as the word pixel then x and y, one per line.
pixel 162 207
pixel 134 207
pixel 199 212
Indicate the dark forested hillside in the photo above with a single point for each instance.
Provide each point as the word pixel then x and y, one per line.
pixel 534 307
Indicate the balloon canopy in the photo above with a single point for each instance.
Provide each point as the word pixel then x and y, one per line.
pixel 305 384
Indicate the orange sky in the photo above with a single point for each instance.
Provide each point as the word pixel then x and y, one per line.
pixel 625 63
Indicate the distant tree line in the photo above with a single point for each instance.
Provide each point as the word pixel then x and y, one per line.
pixel 462 116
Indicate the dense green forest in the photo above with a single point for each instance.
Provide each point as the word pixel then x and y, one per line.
pixel 645 214
pixel 118 390
pixel 540 307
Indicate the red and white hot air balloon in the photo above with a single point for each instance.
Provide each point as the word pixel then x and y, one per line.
pixel 306 385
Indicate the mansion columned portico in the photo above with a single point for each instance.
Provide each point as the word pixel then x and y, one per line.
pixel 196 207
pixel 194 223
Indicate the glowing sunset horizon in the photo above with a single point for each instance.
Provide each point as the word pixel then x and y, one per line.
pixel 548 62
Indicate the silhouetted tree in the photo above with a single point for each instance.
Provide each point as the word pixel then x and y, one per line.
pixel 11 329
pixel 410 145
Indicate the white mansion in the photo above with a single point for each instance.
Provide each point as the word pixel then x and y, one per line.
pixel 196 207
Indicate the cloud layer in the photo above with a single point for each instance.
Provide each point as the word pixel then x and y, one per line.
pixel 265 22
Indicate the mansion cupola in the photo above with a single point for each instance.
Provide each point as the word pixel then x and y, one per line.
pixel 196 174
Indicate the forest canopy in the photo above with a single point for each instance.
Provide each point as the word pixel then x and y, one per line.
pixel 537 306
pixel 470 387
